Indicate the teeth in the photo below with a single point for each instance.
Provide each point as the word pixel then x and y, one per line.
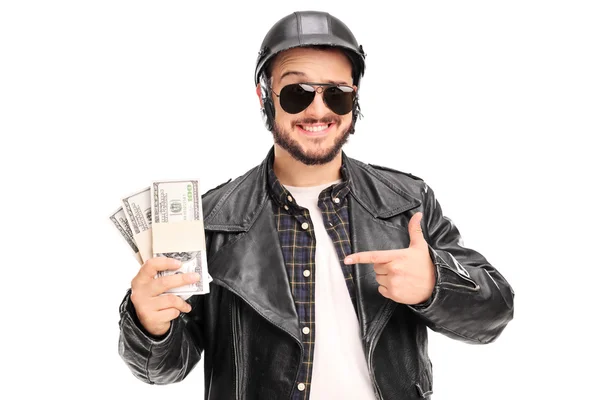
pixel 318 128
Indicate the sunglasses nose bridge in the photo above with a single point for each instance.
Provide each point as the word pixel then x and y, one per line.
pixel 318 106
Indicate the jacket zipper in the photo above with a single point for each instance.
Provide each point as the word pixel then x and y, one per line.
pixel 370 364
pixel 376 334
pixel 234 334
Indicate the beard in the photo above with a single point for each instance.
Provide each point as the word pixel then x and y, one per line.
pixel 285 140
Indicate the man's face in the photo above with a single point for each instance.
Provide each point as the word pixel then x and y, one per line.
pixel 315 135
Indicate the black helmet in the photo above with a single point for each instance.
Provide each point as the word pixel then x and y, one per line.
pixel 310 28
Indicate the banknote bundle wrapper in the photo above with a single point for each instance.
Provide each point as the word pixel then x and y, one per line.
pixel 178 230
pixel 166 220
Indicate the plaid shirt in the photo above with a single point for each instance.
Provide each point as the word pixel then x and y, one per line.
pixel 297 238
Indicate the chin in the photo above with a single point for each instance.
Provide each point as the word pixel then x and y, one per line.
pixel 311 149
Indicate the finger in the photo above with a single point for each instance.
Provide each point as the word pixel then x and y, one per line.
pixel 384 291
pixel 166 315
pixel 171 301
pixel 373 257
pixel 416 232
pixel 151 267
pixel 157 264
pixel 383 280
pixel 164 283
pixel 381 269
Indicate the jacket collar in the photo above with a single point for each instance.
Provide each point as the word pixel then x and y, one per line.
pixel 238 208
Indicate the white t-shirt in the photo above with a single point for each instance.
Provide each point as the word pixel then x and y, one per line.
pixel 339 365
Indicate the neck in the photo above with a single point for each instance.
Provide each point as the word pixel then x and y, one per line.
pixel 292 172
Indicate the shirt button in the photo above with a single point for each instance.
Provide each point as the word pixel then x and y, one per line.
pixel 301 387
pixel 290 198
pixel 286 207
pixel 306 273
pixel 336 200
pixel 305 225
pixel 306 330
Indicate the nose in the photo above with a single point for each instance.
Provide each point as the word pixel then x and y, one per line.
pixel 317 108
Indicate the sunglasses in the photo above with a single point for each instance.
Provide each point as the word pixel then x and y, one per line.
pixel 297 97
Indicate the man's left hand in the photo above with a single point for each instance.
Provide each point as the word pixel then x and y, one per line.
pixel 405 275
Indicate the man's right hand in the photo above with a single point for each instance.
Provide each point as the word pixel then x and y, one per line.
pixel 155 312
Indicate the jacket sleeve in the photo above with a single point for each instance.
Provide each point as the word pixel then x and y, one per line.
pixel 165 359
pixel 170 357
pixel 471 301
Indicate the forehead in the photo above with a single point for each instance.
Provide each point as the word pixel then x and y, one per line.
pixel 310 64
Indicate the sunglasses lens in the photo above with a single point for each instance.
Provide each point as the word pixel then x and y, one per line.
pixel 339 99
pixel 295 98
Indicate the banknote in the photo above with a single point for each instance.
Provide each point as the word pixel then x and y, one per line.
pixel 178 230
pixel 120 222
pixel 137 208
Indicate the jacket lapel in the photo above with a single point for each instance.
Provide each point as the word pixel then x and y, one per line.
pixel 251 263
pixel 253 268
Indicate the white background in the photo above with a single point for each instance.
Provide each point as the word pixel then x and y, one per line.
pixel 494 104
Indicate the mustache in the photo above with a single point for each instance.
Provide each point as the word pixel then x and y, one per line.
pixel 325 120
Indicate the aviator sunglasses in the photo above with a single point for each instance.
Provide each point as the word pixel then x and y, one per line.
pixel 297 97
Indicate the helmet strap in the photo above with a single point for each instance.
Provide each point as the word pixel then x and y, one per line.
pixel 268 109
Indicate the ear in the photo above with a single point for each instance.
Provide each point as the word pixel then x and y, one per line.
pixel 259 94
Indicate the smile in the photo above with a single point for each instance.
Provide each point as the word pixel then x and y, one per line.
pixel 316 129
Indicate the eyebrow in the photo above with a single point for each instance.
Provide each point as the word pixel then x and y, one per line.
pixel 302 74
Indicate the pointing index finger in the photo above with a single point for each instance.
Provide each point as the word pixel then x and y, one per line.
pixel 372 257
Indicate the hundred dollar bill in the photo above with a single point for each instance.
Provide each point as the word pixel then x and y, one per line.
pixel 178 231
pixel 120 222
pixel 137 208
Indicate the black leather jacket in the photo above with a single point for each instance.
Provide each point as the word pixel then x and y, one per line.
pixel 248 327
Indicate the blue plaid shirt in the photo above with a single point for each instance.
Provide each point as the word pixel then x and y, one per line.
pixel 298 244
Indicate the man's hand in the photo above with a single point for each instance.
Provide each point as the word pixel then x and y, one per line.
pixel 405 275
pixel 154 311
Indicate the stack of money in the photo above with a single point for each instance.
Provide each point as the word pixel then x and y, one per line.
pixel 166 220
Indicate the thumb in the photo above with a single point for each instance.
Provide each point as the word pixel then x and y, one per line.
pixel 415 232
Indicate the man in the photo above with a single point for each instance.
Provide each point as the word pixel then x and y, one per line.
pixel 326 271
